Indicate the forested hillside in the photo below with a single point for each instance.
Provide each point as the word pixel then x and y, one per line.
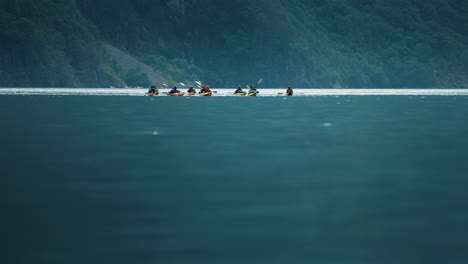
pixel 305 43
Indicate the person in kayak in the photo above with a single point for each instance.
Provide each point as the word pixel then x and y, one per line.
pixel 205 89
pixel 202 90
pixel 289 91
pixel 173 91
pixel 253 89
pixel 239 90
pixel 153 91
pixel 191 90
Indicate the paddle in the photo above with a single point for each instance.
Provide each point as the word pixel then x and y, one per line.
pixel 259 82
pixel 200 84
pixel 255 86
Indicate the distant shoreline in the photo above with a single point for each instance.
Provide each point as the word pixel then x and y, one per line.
pixel 223 92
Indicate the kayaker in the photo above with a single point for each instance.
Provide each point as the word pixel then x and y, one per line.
pixel 174 91
pixel 289 91
pixel 205 89
pixel 153 90
pixel 239 90
pixel 202 90
pixel 253 89
pixel 191 90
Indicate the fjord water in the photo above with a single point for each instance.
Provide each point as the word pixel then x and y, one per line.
pixel 349 179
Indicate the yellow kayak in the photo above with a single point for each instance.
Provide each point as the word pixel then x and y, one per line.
pixel 191 94
pixel 240 94
pixel 206 94
pixel 252 94
pixel 153 94
pixel 179 94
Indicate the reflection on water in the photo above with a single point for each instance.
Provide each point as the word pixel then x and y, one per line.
pixel 303 180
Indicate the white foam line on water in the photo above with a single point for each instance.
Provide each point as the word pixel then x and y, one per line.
pixel 228 92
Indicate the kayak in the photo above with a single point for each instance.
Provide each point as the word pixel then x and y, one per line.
pixel 179 94
pixel 190 94
pixel 206 94
pixel 153 94
pixel 252 94
pixel 240 94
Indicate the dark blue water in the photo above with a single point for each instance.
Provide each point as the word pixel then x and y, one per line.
pixel 234 180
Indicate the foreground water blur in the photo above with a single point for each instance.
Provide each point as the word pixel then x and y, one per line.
pixel 234 180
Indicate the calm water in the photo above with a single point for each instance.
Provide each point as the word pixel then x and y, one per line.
pixel 349 179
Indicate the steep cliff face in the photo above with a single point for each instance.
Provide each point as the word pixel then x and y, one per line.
pixel 50 43
pixel 305 43
pixel 300 42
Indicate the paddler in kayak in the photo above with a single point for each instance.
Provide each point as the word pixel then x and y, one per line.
pixel 205 89
pixel 173 91
pixel 253 90
pixel 153 91
pixel 289 91
pixel 191 91
pixel 202 89
pixel 239 90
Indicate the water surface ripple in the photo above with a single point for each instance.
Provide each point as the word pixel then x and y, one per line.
pixel 346 179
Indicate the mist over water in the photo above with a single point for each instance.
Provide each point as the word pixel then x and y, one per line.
pixel 121 179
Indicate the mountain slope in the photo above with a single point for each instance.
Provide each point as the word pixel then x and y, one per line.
pixel 308 43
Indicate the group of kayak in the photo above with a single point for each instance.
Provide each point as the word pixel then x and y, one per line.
pixel 205 91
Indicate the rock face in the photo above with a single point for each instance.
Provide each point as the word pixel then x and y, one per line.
pixel 129 62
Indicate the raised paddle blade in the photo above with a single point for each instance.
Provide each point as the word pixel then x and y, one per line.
pixel 199 83
pixel 165 85
pixel 183 84
pixel 260 81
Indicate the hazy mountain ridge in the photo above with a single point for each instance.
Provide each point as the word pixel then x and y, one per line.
pixel 304 43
